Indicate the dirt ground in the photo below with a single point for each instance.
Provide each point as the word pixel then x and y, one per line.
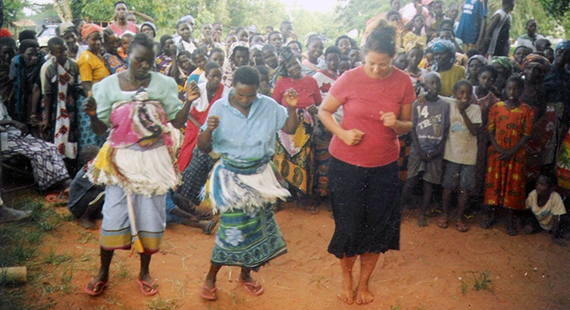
pixel 435 269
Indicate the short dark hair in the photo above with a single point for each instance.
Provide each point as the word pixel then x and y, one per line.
pixel 272 33
pixel 165 38
pixel 217 50
pixel 200 51
pixel 27 34
pixel 142 40
pixel 462 83
pixel 211 65
pixel 381 40
pixel 333 50
pixel 263 70
pixel 549 175
pixel 269 48
pixel 515 79
pixel 350 40
pixel 246 75
pixel 53 42
pixel 490 69
pixel 27 43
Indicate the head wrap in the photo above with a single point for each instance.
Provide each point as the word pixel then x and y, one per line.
pixel 440 45
pixel 233 49
pixel 151 25
pixel 258 47
pixel 66 27
pixel 89 29
pixel 541 60
pixel 564 45
pixel 443 45
pixel 503 61
pixel 481 58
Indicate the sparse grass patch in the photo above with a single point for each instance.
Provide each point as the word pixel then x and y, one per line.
pixel 19 247
pixel 159 304
pixel 481 281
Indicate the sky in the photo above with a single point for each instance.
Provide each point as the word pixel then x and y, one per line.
pixel 312 5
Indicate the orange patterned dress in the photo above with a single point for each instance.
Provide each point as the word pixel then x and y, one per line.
pixel 505 180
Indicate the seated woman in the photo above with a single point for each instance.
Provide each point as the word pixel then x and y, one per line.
pixel 48 166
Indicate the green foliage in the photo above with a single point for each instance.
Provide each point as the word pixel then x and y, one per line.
pixel 13 10
pixel 353 14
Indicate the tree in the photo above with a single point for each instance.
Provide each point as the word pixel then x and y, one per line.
pixel 14 10
pixel 63 9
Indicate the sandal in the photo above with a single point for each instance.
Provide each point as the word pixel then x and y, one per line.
pixel 442 223
pixel 254 288
pixel 148 289
pixel 57 200
pixel 209 293
pixel 461 227
pixel 435 212
pixel 90 288
pixel 312 209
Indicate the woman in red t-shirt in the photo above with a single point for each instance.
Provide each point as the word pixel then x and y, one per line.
pixel 363 171
pixel 294 154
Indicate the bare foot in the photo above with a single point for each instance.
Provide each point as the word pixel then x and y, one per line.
pixel 87 224
pixel 8 215
pixel 346 293
pixel 363 296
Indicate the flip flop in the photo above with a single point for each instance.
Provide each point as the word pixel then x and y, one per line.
pixel 91 290
pixel 461 227
pixel 254 288
pixel 443 223
pixel 147 288
pixel 57 199
pixel 209 293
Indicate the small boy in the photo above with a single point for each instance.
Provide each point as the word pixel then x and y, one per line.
pixel 85 198
pixel 460 152
pixel 548 209
pixel 430 126
pixel 126 39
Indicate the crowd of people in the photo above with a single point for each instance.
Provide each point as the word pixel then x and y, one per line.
pixel 143 130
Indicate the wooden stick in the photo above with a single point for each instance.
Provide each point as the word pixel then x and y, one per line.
pixel 14 274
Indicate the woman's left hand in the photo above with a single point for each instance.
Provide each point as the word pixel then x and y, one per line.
pixel 291 98
pixel 389 119
pixel 192 91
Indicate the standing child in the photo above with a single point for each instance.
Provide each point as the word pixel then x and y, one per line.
pixel 429 132
pixel 199 58
pixel 415 55
pixel 547 207
pixel 164 60
pixel 187 42
pixel 460 152
pixel 217 54
pixel 509 127
pixel 61 92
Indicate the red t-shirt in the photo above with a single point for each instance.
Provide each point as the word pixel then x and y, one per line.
pixel 119 32
pixel 307 88
pixel 362 100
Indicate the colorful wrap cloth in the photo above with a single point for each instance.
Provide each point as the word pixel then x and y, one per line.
pixel 140 153
pixel 245 185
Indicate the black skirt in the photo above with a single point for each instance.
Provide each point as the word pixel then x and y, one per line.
pixel 365 208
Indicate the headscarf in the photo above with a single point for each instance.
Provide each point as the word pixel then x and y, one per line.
pixel 481 58
pixel 503 61
pixel 89 29
pixel 66 27
pixel 564 45
pixel 541 60
pixel 151 25
pixel 440 45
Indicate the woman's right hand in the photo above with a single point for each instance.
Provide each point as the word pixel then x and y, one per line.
pixel 90 106
pixel 352 136
pixel 213 122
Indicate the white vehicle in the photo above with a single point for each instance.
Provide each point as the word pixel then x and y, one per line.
pixel 48 32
